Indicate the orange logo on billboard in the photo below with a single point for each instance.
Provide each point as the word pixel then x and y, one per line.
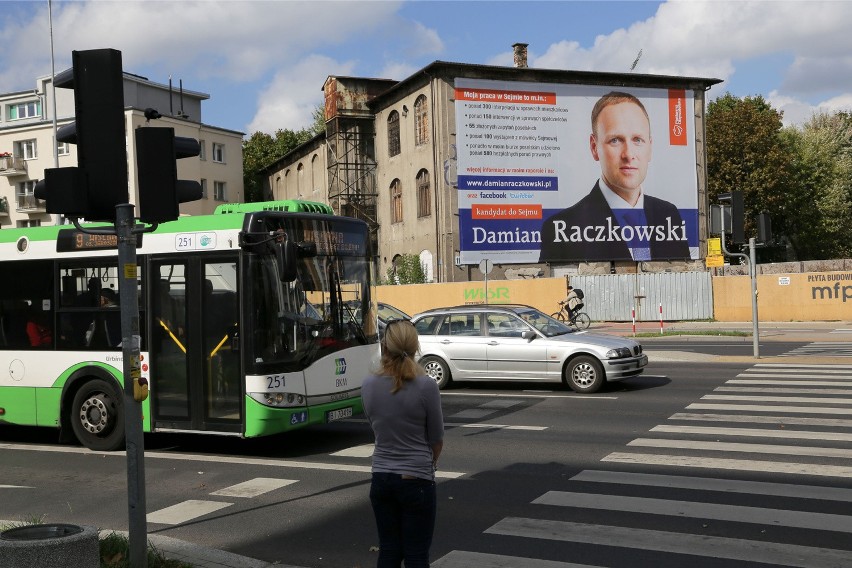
pixel 677 117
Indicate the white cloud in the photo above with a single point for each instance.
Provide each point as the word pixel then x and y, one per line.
pixel 707 39
pixel 233 41
pixel 797 112
pixel 293 94
pixel 397 70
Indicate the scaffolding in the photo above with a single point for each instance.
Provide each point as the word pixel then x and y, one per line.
pixel 352 169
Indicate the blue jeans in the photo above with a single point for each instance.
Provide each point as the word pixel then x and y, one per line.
pixel 405 518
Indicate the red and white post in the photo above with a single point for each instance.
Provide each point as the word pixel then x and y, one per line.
pixel 633 317
pixel 661 318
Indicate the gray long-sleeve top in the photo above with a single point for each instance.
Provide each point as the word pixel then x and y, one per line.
pixel 406 424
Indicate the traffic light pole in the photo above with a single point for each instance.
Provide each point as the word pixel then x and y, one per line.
pixel 751 259
pixel 135 388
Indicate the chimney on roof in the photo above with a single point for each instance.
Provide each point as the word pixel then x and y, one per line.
pixel 520 55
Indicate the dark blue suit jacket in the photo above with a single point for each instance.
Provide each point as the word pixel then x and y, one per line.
pixel 595 220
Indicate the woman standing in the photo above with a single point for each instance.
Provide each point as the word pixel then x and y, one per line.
pixel 403 406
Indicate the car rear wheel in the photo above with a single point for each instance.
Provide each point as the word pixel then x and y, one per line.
pixel 584 374
pixel 437 369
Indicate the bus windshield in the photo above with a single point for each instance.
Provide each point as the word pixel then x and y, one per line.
pixel 326 308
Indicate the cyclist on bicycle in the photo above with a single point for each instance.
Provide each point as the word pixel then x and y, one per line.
pixel 574 300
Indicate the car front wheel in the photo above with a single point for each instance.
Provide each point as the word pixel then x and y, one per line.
pixel 584 374
pixel 437 369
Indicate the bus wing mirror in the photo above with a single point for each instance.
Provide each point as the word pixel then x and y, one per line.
pixel 285 255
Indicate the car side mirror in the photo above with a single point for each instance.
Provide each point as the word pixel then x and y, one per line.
pixel 528 334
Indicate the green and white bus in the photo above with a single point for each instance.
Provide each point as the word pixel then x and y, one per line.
pixel 255 320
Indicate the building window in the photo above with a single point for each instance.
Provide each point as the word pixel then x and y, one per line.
pixel 393 133
pixel 218 153
pixel 25 110
pixel 204 194
pixel 26 149
pixel 396 201
pixel 202 155
pixel 219 191
pixel 63 148
pixel 25 195
pixel 421 121
pixel 28 223
pixel 424 200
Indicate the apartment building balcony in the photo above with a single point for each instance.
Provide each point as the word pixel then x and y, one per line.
pixel 4 207
pixel 27 203
pixel 12 166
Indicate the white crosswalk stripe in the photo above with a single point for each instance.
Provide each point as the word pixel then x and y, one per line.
pixel 185 511
pixel 796 417
pixel 768 553
pixel 824 348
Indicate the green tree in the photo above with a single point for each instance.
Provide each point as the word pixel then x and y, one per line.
pixel 745 151
pixel 262 149
pixel 822 178
pixel 407 269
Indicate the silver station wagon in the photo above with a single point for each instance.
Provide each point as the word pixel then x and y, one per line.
pixel 520 343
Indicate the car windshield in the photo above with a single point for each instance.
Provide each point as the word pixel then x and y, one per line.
pixel 388 313
pixel 543 322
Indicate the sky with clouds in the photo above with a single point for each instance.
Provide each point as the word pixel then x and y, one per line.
pixel 263 63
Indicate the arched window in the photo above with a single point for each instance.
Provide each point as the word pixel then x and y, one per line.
pixel 393 133
pixel 424 198
pixel 421 121
pixel 396 201
pixel 300 179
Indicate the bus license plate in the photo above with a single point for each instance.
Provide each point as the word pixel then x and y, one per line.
pixel 340 414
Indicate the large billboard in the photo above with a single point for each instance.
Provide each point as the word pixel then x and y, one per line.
pixel 536 183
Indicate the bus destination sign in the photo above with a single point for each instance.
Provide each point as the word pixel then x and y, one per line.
pixel 73 240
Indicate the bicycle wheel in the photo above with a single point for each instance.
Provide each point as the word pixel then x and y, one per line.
pixel 582 321
pixel 560 315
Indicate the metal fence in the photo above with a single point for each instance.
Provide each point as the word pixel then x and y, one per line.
pixel 612 297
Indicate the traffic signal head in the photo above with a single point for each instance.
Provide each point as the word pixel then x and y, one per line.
pixel 99 182
pixel 160 192
pixel 736 224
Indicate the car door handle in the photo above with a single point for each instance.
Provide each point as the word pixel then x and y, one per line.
pixel 446 342
pixel 493 343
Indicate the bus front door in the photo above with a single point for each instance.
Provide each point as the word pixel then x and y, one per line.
pixel 195 358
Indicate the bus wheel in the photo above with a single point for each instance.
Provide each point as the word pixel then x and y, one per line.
pixel 97 416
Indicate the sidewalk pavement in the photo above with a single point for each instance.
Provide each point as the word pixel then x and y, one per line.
pixel 204 557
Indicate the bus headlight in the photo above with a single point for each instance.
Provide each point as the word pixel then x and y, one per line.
pixel 278 399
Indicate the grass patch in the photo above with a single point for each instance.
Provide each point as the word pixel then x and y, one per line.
pixel 114 549
pixel 708 332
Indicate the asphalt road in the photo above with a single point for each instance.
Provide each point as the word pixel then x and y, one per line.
pixel 707 463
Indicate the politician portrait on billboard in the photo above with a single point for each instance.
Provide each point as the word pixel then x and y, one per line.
pixel 618 219
pixel 571 173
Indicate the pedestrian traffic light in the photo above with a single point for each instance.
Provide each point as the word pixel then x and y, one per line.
pixel 99 182
pixel 160 192
pixel 734 199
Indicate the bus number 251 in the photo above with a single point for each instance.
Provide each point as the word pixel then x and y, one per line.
pixel 274 382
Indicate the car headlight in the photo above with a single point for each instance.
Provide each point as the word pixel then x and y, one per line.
pixel 618 353
pixel 278 399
